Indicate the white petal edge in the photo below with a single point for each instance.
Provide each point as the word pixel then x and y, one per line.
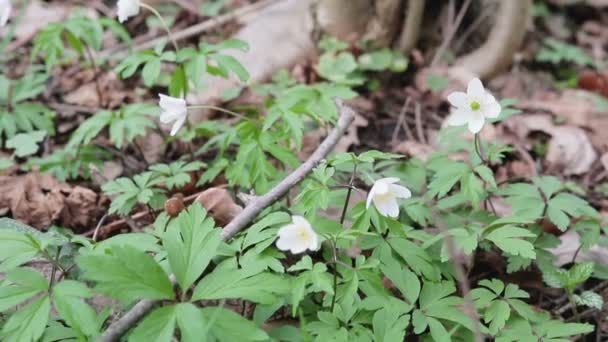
pixel 401 191
pixel 475 89
pixel 459 117
pixel 476 123
pixel 388 208
pixel 6 9
pixel 492 107
pixel 388 180
pixel 370 196
pixel 458 99
pixel 177 125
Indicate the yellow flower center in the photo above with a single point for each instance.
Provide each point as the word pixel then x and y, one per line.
pixel 475 105
pixel 303 235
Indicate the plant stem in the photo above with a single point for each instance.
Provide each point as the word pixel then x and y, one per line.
pixel 478 149
pixel 220 109
pixel 335 274
pixel 163 23
pixel 89 56
pixel 348 193
pixel 574 309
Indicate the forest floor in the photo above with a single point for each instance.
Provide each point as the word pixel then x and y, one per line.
pixel 561 91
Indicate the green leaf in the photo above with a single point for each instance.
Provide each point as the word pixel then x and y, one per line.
pixel 509 239
pixel 497 315
pixel 227 325
pixel 389 325
pixel 68 298
pixel 24 284
pixel 554 329
pixel 139 278
pixel 226 283
pixel 158 326
pixel 191 241
pixel 25 144
pixel 151 71
pixel 579 273
pixel 230 63
pixel 191 328
pixel 590 299
pixel 28 323
pixel 16 248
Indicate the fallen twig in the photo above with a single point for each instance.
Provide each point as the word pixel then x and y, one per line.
pixel 118 52
pixel 251 211
pixel 122 325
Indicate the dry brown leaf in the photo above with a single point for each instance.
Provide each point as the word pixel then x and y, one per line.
pixel 351 137
pixel 604 160
pixel 414 149
pixel 80 208
pixel 219 205
pixel 569 148
pixel 570 243
pixel 40 200
pixel 37 16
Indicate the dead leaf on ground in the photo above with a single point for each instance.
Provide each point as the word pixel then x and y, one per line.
pixel 604 160
pixel 351 137
pixel 414 149
pixel 82 90
pixel 219 205
pixel 570 243
pixel 40 200
pixel 569 148
pixel 38 15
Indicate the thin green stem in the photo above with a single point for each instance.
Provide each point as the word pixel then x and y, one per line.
pixel 478 148
pixel 163 23
pixel 335 274
pixel 219 109
pixel 574 309
pixel 348 193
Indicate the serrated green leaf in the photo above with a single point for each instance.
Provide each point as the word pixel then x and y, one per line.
pixel 27 324
pixel 191 241
pixel 140 278
pixel 509 239
pixel 158 326
pixel 229 283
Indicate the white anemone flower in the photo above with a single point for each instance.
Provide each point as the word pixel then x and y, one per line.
pixel 473 107
pixel 297 236
pixel 174 110
pixel 5 11
pixel 127 8
pixel 384 194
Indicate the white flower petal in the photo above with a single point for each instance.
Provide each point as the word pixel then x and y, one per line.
pixel 401 191
pixel 458 99
pixel 127 8
pixel 177 125
pixel 388 180
pixel 475 89
pixel 5 11
pixel 491 107
pixel 171 103
pixel 168 116
pixel 388 208
pixel 476 123
pixel 459 117
pixel 297 237
pixel 370 196
pixel 300 221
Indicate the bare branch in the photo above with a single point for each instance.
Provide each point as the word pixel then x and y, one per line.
pixel 252 210
pixel 117 329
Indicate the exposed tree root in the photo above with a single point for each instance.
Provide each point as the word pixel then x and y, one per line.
pixel 411 25
pixel 503 41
